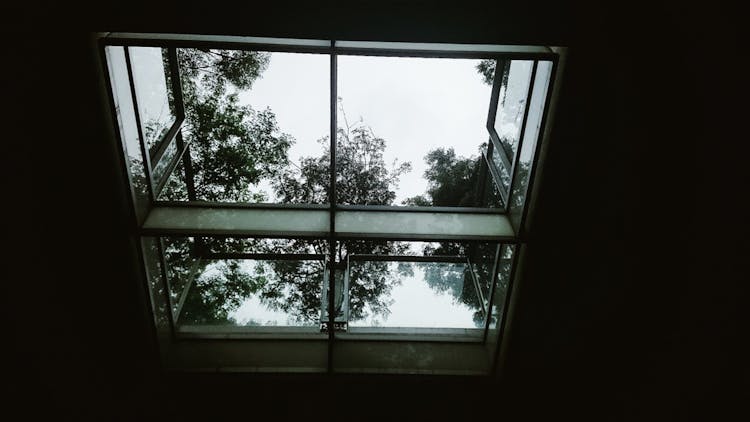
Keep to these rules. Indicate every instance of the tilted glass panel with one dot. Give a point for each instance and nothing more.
(153, 93)
(424, 295)
(531, 137)
(128, 128)
(158, 169)
(156, 286)
(502, 282)
(408, 130)
(501, 170)
(512, 104)
(418, 284)
(501, 286)
(242, 282)
(258, 125)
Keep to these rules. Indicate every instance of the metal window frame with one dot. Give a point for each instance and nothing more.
(335, 48)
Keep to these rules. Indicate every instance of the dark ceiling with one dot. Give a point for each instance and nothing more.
(627, 312)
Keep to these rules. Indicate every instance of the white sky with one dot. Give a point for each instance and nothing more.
(415, 304)
(415, 104)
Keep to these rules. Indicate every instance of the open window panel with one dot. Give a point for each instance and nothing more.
(224, 287)
(147, 93)
(257, 123)
(416, 291)
(517, 111)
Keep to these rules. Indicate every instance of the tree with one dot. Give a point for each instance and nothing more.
(362, 178)
(486, 69)
(448, 178)
(232, 148)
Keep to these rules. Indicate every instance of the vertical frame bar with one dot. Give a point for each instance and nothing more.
(332, 197)
(491, 294)
(506, 304)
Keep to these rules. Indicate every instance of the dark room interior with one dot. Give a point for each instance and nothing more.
(629, 307)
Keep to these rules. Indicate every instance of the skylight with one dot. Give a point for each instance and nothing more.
(352, 199)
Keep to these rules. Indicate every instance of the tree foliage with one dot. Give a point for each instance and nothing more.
(363, 178)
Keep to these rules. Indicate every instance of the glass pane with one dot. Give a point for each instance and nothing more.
(418, 284)
(213, 283)
(531, 136)
(442, 47)
(427, 224)
(258, 124)
(176, 188)
(155, 279)
(502, 170)
(240, 221)
(159, 168)
(123, 101)
(511, 105)
(408, 130)
(502, 280)
(424, 295)
(150, 75)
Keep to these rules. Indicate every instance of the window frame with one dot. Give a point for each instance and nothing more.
(516, 237)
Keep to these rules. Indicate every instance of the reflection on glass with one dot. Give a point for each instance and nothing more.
(159, 168)
(155, 280)
(176, 188)
(150, 76)
(257, 124)
(503, 171)
(254, 292)
(223, 281)
(406, 130)
(123, 101)
(434, 289)
(501, 288)
(512, 103)
(426, 294)
(531, 137)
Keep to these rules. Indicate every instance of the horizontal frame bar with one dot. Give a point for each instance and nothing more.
(263, 256)
(412, 334)
(245, 222)
(239, 205)
(261, 332)
(219, 42)
(356, 48)
(408, 258)
(396, 208)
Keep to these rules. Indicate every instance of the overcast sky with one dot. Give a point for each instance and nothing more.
(414, 304)
(415, 104)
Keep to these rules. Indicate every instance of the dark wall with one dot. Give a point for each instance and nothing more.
(629, 309)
